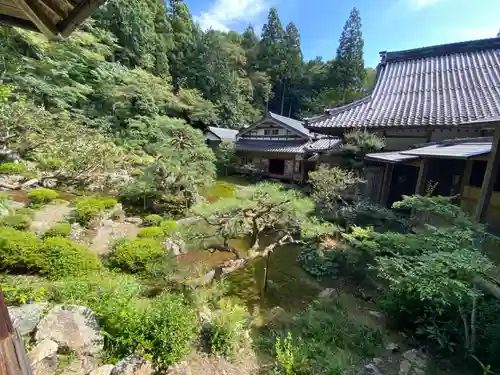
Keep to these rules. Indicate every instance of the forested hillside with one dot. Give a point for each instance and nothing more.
(143, 58)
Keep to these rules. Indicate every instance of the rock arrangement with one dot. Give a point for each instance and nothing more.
(62, 330)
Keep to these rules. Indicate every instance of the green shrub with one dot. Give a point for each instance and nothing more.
(19, 251)
(21, 222)
(42, 196)
(150, 232)
(327, 339)
(134, 255)
(11, 168)
(88, 208)
(163, 328)
(225, 333)
(20, 290)
(319, 261)
(285, 355)
(63, 257)
(168, 226)
(153, 220)
(58, 230)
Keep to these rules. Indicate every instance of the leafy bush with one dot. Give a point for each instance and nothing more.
(153, 220)
(88, 208)
(150, 232)
(21, 222)
(58, 230)
(20, 290)
(329, 341)
(11, 168)
(319, 261)
(19, 251)
(63, 257)
(285, 356)
(168, 226)
(42, 196)
(226, 330)
(134, 255)
(163, 328)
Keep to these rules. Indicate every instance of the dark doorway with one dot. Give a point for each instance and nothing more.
(446, 174)
(276, 166)
(404, 181)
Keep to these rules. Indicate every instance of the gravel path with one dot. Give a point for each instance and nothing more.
(108, 232)
(48, 215)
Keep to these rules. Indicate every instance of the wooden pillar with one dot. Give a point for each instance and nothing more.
(466, 176)
(386, 183)
(489, 178)
(422, 177)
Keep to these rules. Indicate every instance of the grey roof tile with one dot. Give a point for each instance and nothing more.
(224, 134)
(444, 85)
(324, 144)
(271, 146)
(292, 123)
(451, 151)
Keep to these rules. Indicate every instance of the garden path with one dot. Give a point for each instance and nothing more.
(108, 232)
(48, 215)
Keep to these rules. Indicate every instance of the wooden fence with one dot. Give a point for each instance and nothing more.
(13, 360)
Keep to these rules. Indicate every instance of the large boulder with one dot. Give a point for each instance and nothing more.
(174, 246)
(73, 328)
(26, 317)
(43, 358)
(414, 363)
(133, 365)
(103, 370)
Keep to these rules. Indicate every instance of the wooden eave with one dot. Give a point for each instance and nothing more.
(54, 18)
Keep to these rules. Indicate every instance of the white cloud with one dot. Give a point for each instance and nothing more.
(423, 3)
(224, 13)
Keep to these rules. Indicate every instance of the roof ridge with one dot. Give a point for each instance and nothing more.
(440, 49)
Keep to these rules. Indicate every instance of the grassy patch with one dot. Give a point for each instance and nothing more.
(219, 190)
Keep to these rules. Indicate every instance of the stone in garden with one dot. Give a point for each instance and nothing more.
(73, 328)
(79, 365)
(176, 247)
(414, 363)
(49, 183)
(327, 293)
(30, 183)
(76, 231)
(103, 370)
(133, 220)
(392, 346)
(25, 318)
(133, 365)
(43, 358)
(376, 314)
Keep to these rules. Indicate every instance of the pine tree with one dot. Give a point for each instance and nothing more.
(350, 61)
(293, 64)
(271, 53)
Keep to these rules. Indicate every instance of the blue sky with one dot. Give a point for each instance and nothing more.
(387, 24)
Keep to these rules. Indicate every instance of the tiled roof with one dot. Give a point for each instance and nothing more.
(271, 146)
(323, 144)
(224, 134)
(295, 147)
(295, 124)
(445, 85)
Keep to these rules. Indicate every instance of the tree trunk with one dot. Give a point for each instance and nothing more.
(255, 235)
(266, 271)
(283, 90)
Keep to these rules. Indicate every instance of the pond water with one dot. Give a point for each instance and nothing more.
(21, 196)
(289, 287)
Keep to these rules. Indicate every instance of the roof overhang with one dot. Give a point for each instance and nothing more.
(54, 18)
(394, 157)
(453, 151)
